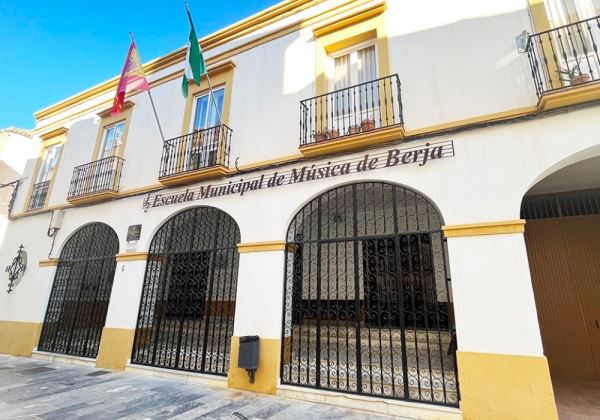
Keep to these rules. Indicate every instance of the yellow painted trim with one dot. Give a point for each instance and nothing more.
(115, 348)
(19, 338)
(486, 228)
(345, 31)
(39, 211)
(571, 95)
(357, 141)
(106, 120)
(267, 374)
(481, 119)
(93, 198)
(221, 76)
(48, 135)
(50, 139)
(52, 262)
(270, 162)
(177, 56)
(106, 113)
(217, 171)
(539, 18)
(261, 246)
(227, 34)
(349, 20)
(140, 190)
(503, 386)
(132, 256)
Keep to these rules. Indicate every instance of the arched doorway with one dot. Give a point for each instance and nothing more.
(187, 307)
(80, 293)
(368, 303)
(562, 236)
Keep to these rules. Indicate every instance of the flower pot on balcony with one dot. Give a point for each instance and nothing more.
(581, 79)
(367, 124)
(334, 134)
(321, 136)
(354, 129)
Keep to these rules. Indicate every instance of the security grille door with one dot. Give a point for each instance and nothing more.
(368, 304)
(80, 293)
(187, 307)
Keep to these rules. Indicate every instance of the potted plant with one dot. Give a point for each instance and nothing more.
(354, 129)
(320, 135)
(333, 133)
(367, 124)
(574, 75)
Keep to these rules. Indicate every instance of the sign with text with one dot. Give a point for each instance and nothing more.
(419, 155)
(133, 237)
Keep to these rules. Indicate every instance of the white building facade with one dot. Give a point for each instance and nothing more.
(391, 199)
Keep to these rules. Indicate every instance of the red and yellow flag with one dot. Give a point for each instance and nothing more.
(132, 78)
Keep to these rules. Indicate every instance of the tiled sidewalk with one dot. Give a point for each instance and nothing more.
(33, 389)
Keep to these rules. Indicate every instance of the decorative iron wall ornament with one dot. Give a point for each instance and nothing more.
(187, 308)
(80, 293)
(17, 268)
(367, 298)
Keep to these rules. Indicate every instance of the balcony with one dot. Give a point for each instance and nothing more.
(565, 63)
(357, 116)
(197, 156)
(95, 181)
(38, 195)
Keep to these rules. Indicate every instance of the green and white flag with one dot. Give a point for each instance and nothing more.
(194, 61)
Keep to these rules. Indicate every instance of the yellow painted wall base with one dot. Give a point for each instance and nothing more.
(115, 348)
(501, 386)
(19, 338)
(267, 374)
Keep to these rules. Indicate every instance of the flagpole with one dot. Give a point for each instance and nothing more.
(207, 76)
(156, 116)
(152, 103)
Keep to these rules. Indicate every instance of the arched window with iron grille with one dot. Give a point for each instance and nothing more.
(80, 293)
(367, 300)
(187, 308)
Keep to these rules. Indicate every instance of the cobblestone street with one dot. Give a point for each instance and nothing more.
(31, 389)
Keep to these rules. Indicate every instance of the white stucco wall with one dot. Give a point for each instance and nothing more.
(485, 181)
(455, 61)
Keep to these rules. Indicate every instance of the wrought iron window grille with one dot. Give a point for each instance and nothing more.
(367, 299)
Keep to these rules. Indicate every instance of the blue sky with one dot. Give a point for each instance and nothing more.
(52, 49)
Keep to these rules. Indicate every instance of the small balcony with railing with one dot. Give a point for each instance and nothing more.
(565, 63)
(39, 193)
(197, 156)
(95, 181)
(353, 117)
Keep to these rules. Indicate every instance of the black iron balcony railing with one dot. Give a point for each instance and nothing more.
(94, 177)
(353, 110)
(565, 56)
(38, 195)
(198, 150)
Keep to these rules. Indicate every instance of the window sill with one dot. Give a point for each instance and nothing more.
(216, 171)
(93, 197)
(571, 95)
(353, 142)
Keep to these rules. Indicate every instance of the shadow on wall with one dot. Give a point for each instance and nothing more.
(474, 61)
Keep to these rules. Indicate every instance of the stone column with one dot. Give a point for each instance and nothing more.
(116, 342)
(258, 311)
(502, 370)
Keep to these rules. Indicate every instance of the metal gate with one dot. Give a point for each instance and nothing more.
(80, 293)
(187, 308)
(367, 303)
